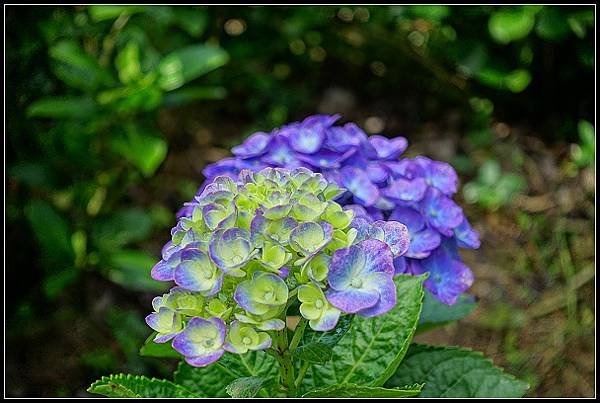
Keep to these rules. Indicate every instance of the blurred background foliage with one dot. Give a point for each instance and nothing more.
(113, 111)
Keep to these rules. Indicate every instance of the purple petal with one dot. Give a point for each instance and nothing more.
(466, 236)
(387, 296)
(388, 149)
(254, 145)
(377, 172)
(442, 213)
(406, 168)
(357, 182)
(422, 243)
(395, 236)
(341, 139)
(440, 175)
(203, 361)
(280, 153)
(325, 158)
(164, 338)
(359, 211)
(378, 256)
(305, 139)
(448, 277)
(188, 345)
(237, 239)
(406, 190)
(321, 120)
(400, 266)
(162, 271)
(227, 166)
(362, 226)
(352, 300)
(410, 217)
(327, 321)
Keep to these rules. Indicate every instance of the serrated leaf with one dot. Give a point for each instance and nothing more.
(436, 313)
(245, 387)
(318, 346)
(373, 348)
(189, 63)
(455, 372)
(159, 350)
(122, 385)
(213, 379)
(352, 390)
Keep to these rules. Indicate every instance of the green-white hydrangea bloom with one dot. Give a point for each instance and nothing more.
(238, 256)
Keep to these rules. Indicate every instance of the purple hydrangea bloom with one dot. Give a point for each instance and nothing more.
(379, 183)
(201, 342)
(360, 279)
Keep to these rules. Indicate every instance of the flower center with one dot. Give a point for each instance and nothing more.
(269, 295)
(207, 274)
(208, 343)
(236, 259)
(356, 283)
(318, 304)
(246, 340)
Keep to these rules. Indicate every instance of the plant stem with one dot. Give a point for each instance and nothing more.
(298, 334)
(286, 365)
(301, 373)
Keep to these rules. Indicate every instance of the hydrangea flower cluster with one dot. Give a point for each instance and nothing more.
(415, 191)
(249, 246)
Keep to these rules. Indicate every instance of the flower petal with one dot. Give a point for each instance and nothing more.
(406, 190)
(352, 300)
(395, 236)
(203, 361)
(388, 149)
(253, 146)
(387, 295)
(357, 182)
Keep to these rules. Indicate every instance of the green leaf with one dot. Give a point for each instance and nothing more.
(245, 387)
(108, 12)
(192, 20)
(190, 94)
(160, 350)
(373, 348)
(318, 346)
(128, 63)
(507, 25)
(137, 386)
(52, 234)
(212, 380)
(352, 390)
(455, 372)
(62, 108)
(131, 270)
(552, 24)
(189, 63)
(56, 282)
(78, 69)
(436, 313)
(517, 80)
(144, 148)
(122, 227)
